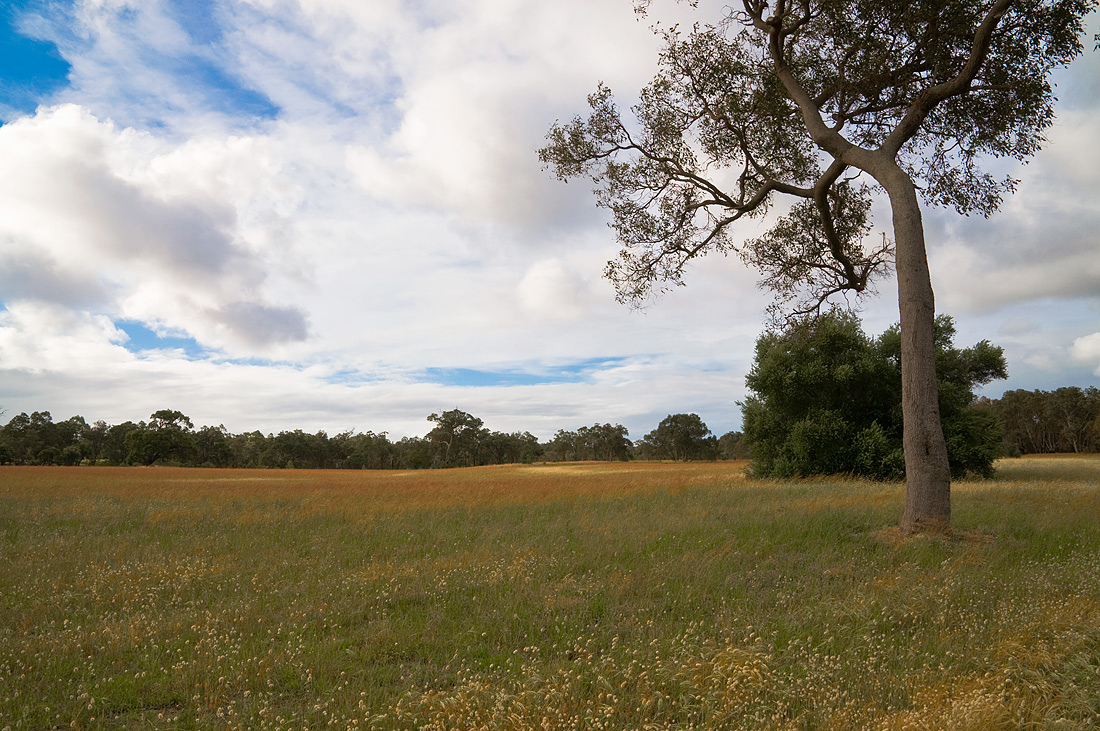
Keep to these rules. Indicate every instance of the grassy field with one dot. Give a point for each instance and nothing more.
(588, 596)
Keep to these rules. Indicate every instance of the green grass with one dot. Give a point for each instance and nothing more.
(588, 596)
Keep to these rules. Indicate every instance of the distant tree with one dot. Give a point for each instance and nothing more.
(563, 447)
(601, 442)
(212, 447)
(167, 438)
(826, 399)
(324, 456)
(71, 438)
(680, 437)
(11, 437)
(35, 439)
(247, 449)
(604, 442)
(116, 442)
(807, 100)
(299, 449)
(371, 451)
(731, 445)
(1076, 411)
(413, 453)
(170, 419)
(527, 446)
(501, 448)
(456, 438)
(96, 438)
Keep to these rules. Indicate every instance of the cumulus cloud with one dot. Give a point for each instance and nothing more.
(1045, 242)
(1086, 350)
(35, 275)
(37, 338)
(479, 89)
(163, 65)
(106, 218)
(259, 324)
(550, 290)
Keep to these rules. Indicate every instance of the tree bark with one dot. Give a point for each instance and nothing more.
(927, 472)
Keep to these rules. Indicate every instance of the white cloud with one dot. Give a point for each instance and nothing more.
(1086, 350)
(1045, 242)
(40, 338)
(118, 220)
(550, 291)
(478, 89)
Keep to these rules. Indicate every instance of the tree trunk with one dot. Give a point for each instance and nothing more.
(927, 473)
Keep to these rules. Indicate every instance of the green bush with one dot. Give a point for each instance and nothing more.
(826, 399)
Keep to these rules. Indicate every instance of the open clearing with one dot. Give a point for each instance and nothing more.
(597, 596)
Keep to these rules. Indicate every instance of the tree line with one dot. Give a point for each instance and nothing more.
(1020, 422)
(456, 439)
(824, 398)
(1043, 422)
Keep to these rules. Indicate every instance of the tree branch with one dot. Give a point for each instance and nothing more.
(925, 102)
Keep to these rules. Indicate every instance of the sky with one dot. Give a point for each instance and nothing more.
(330, 214)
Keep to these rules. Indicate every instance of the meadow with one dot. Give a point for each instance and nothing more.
(572, 596)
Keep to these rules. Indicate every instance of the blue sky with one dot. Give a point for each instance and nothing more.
(277, 214)
(33, 69)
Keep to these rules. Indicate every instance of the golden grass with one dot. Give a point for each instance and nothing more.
(595, 596)
(381, 490)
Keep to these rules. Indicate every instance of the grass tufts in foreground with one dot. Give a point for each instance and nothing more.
(598, 596)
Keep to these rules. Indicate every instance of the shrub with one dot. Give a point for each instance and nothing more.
(826, 399)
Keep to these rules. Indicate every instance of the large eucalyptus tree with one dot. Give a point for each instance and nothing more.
(817, 101)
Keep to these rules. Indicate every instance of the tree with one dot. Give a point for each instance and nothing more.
(731, 445)
(680, 437)
(170, 419)
(96, 438)
(563, 447)
(36, 439)
(212, 447)
(248, 449)
(370, 451)
(413, 453)
(168, 437)
(501, 448)
(1075, 411)
(606, 442)
(297, 449)
(72, 440)
(116, 443)
(457, 437)
(810, 99)
(826, 399)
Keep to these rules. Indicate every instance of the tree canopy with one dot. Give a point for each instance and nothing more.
(798, 99)
(682, 437)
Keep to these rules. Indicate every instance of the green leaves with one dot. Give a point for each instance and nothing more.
(679, 437)
(827, 399)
